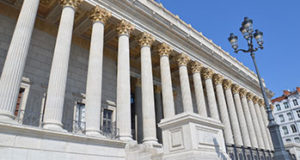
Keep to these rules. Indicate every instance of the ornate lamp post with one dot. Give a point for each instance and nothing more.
(247, 31)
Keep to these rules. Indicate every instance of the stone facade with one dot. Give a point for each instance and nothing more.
(99, 79)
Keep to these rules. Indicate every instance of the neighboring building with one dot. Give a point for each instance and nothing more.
(121, 79)
(287, 114)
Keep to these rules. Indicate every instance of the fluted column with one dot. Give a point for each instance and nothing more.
(255, 120)
(266, 122)
(123, 81)
(200, 100)
(59, 68)
(164, 51)
(211, 98)
(183, 60)
(241, 116)
(15, 60)
(94, 77)
(149, 126)
(262, 126)
(249, 121)
(232, 114)
(218, 79)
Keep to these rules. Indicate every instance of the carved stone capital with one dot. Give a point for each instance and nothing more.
(207, 73)
(218, 79)
(164, 49)
(70, 3)
(235, 88)
(249, 96)
(146, 39)
(157, 89)
(196, 67)
(227, 84)
(99, 14)
(261, 102)
(183, 59)
(255, 99)
(124, 27)
(243, 92)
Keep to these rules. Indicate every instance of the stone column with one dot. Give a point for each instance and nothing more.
(94, 77)
(138, 110)
(211, 98)
(266, 122)
(166, 82)
(249, 121)
(201, 106)
(232, 114)
(149, 126)
(59, 68)
(183, 60)
(255, 121)
(15, 60)
(218, 79)
(158, 111)
(241, 116)
(261, 124)
(123, 82)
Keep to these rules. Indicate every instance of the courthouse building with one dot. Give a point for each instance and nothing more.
(121, 79)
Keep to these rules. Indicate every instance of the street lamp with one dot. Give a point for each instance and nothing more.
(247, 30)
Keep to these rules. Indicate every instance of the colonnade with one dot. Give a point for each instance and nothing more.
(241, 112)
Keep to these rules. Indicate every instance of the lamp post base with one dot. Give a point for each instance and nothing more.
(279, 150)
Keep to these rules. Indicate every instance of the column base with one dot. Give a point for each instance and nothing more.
(126, 138)
(7, 118)
(152, 142)
(54, 127)
(94, 133)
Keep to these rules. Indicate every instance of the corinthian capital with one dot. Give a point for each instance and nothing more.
(243, 92)
(218, 79)
(196, 67)
(261, 102)
(164, 49)
(124, 27)
(235, 88)
(182, 59)
(255, 99)
(99, 14)
(146, 39)
(207, 73)
(227, 84)
(71, 3)
(249, 96)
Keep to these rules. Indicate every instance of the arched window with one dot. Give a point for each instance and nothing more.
(294, 129)
(285, 130)
(288, 140)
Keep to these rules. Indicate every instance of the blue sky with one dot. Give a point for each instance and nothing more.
(279, 61)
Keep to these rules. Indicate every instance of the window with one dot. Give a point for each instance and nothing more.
(298, 113)
(285, 130)
(286, 105)
(294, 129)
(297, 139)
(288, 140)
(107, 121)
(278, 107)
(79, 118)
(289, 115)
(19, 101)
(295, 102)
(281, 118)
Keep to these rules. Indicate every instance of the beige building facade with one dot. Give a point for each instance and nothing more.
(121, 79)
